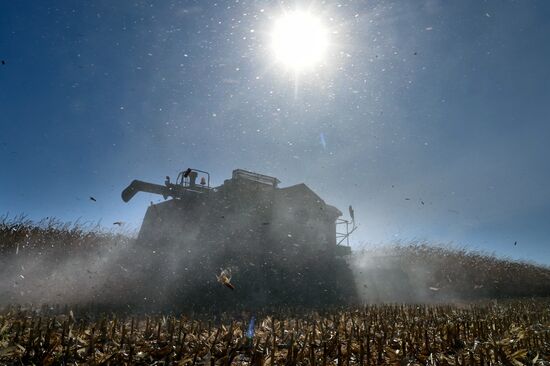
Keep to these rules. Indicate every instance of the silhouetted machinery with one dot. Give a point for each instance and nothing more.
(281, 244)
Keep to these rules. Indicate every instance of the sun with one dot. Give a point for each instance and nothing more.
(299, 41)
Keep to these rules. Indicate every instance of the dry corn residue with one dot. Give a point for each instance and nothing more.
(505, 333)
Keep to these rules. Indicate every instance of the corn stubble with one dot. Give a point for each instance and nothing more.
(507, 333)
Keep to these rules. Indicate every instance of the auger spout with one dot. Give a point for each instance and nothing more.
(140, 186)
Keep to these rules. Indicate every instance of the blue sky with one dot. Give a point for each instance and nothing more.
(441, 102)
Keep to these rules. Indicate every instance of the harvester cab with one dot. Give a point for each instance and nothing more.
(188, 178)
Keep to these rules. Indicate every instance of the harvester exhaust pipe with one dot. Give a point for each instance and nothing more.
(140, 186)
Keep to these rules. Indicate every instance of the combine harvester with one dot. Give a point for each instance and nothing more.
(282, 246)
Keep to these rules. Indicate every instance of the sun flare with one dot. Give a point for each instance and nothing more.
(299, 41)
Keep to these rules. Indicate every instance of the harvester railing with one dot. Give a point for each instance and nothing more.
(343, 235)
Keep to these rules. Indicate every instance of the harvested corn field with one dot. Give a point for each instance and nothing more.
(506, 333)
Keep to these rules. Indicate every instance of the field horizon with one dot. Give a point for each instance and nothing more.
(46, 261)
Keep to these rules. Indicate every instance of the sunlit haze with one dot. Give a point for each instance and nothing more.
(429, 117)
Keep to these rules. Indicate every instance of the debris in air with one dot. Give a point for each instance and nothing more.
(119, 223)
(407, 199)
(351, 213)
(93, 199)
(3, 62)
(225, 278)
(516, 243)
